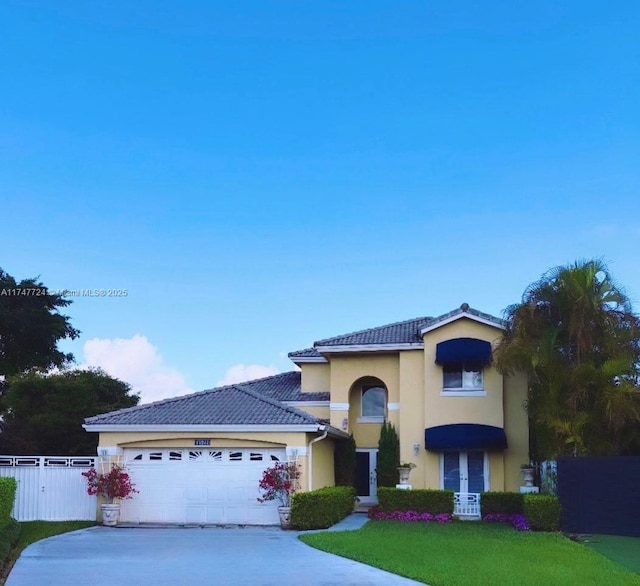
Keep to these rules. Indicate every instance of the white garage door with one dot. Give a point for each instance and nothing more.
(201, 485)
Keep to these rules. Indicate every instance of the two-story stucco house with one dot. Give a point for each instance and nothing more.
(198, 458)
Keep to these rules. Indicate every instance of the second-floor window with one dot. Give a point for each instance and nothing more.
(463, 376)
(373, 401)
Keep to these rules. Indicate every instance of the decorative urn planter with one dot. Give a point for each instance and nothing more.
(110, 514)
(404, 472)
(528, 475)
(285, 517)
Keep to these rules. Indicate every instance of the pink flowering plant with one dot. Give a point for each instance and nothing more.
(279, 482)
(115, 484)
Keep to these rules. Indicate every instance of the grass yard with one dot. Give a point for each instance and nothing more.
(33, 531)
(622, 550)
(467, 554)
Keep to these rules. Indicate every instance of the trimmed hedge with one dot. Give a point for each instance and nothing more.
(8, 487)
(543, 512)
(421, 501)
(322, 508)
(9, 536)
(508, 503)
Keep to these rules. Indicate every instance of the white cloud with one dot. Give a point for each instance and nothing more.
(137, 362)
(241, 373)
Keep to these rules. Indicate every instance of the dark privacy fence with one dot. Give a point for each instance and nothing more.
(600, 495)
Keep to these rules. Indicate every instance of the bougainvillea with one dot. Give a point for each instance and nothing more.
(115, 484)
(519, 522)
(279, 482)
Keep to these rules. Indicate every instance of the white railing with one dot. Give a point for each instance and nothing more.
(50, 488)
(466, 504)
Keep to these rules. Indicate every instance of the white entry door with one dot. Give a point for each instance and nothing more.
(199, 485)
(464, 471)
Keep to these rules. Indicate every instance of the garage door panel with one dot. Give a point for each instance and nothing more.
(199, 486)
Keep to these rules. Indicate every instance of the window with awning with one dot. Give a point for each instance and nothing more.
(464, 436)
(464, 351)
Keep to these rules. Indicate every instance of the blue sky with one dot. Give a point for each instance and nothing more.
(259, 175)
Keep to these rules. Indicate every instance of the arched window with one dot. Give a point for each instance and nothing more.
(374, 399)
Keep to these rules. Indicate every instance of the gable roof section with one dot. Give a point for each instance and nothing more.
(396, 336)
(229, 406)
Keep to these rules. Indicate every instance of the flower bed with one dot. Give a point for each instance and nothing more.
(408, 516)
(518, 521)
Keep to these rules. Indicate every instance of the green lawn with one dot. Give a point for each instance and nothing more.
(622, 550)
(467, 554)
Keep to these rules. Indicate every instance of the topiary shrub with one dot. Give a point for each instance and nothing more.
(8, 487)
(388, 456)
(421, 501)
(543, 512)
(508, 503)
(344, 462)
(322, 508)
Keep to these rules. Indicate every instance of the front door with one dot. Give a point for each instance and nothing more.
(366, 475)
(464, 471)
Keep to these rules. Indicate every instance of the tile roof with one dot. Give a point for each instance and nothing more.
(403, 332)
(283, 387)
(229, 405)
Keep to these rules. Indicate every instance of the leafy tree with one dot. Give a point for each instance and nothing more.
(344, 459)
(388, 456)
(576, 337)
(44, 414)
(31, 326)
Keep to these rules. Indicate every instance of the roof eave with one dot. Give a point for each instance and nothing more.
(458, 316)
(202, 428)
(370, 347)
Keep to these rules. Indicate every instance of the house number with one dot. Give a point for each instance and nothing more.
(202, 442)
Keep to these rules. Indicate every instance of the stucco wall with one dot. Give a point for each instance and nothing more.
(315, 377)
(320, 412)
(516, 428)
(446, 409)
(322, 462)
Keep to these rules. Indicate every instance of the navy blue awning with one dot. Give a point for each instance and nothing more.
(463, 350)
(465, 436)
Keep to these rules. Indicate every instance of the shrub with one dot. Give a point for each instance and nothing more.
(543, 512)
(8, 487)
(322, 508)
(421, 501)
(9, 535)
(388, 456)
(509, 503)
(344, 461)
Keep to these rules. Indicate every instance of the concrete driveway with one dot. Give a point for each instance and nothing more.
(102, 556)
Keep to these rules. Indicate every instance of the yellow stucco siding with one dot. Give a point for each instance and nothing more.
(443, 409)
(315, 377)
(185, 439)
(322, 463)
(516, 427)
(347, 369)
(410, 424)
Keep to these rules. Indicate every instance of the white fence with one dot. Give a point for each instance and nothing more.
(466, 504)
(50, 488)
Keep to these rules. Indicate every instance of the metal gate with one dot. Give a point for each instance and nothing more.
(50, 488)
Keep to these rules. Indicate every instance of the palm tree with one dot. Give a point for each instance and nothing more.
(576, 337)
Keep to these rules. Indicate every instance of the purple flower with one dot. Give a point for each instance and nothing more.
(519, 522)
(410, 516)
